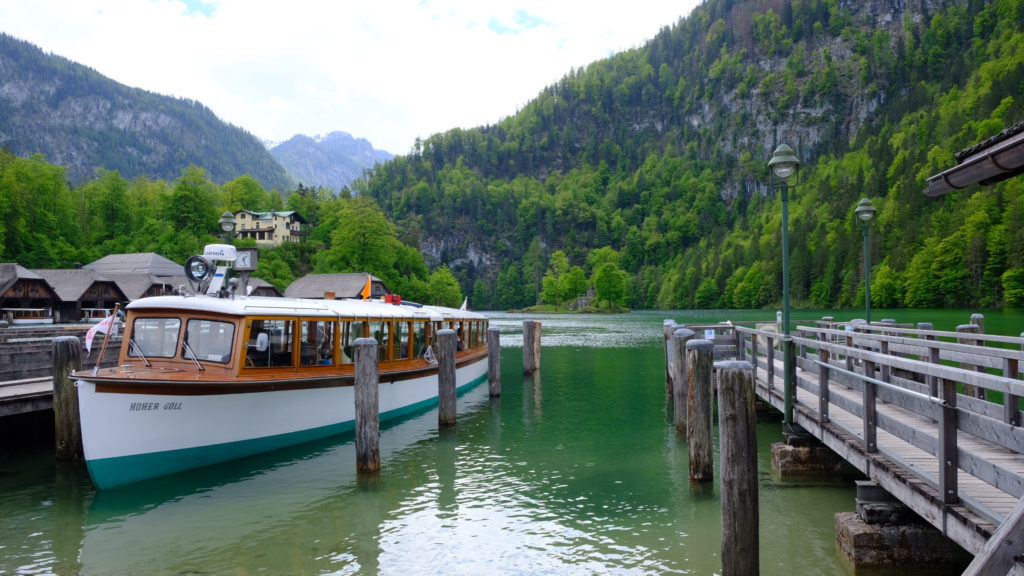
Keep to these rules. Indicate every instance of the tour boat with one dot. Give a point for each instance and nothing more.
(204, 379)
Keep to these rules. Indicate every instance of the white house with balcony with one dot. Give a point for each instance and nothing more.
(270, 228)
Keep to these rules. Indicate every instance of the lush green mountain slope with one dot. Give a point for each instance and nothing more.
(660, 154)
(80, 119)
(331, 161)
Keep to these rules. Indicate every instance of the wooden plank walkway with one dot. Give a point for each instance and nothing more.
(984, 441)
(26, 395)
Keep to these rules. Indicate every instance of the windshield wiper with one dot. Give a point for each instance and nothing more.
(133, 345)
(192, 353)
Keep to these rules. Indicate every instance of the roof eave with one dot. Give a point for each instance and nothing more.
(996, 163)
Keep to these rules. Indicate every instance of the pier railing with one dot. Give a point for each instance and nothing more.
(933, 416)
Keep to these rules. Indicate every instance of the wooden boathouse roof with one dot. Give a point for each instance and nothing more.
(138, 263)
(11, 274)
(73, 285)
(346, 285)
(990, 161)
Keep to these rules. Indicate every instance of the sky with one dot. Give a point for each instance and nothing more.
(385, 70)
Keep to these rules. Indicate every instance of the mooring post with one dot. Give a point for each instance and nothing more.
(700, 361)
(680, 378)
(968, 389)
(737, 430)
(494, 361)
(979, 321)
(367, 406)
(446, 377)
(668, 328)
(67, 357)
(931, 381)
(531, 346)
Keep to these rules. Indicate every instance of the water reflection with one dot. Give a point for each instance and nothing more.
(576, 470)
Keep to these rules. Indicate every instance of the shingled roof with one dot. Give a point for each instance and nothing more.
(11, 273)
(135, 286)
(348, 285)
(138, 263)
(70, 285)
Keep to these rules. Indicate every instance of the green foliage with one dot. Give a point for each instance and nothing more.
(443, 289)
(659, 155)
(610, 284)
(648, 171)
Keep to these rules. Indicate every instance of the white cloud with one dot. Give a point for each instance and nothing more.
(386, 71)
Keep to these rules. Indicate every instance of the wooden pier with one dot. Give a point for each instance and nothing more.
(26, 365)
(933, 417)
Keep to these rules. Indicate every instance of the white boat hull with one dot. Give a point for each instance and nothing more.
(129, 437)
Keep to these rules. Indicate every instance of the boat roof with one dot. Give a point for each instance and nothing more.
(267, 306)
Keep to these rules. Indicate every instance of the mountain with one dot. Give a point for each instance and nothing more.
(328, 162)
(657, 158)
(82, 120)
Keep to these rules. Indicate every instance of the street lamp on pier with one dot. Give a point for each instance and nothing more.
(866, 211)
(227, 223)
(784, 164)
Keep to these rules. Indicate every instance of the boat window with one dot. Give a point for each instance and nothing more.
(420, 340)
(350, 332)
(400, 340)
(317, 343)
(209, 340)
(277, 352)
(154, 337)
(381, 332)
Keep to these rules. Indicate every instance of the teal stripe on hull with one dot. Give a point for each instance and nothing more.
(113, 472)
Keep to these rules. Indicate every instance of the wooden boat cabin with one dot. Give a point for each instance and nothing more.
(259, 338)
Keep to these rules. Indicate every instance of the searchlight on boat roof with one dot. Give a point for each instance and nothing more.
(203, 271)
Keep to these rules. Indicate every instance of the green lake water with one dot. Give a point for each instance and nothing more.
(576, 471)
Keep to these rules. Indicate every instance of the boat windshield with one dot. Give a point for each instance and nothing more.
(208, 340)
(154, 337)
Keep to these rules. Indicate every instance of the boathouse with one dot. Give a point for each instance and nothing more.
(347, 285)
(23, 294)
(260, 287)
(81, 295)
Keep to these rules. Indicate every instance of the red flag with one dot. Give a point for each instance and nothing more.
(104, 326)
(368, 289)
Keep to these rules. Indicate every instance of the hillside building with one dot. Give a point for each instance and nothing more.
(270, 228)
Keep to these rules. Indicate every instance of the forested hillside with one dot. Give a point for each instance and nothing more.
(644, 175)
(80, 119)
(658, 157)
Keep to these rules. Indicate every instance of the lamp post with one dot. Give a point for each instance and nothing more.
(227, 223)
(784, 164)
(866, 211)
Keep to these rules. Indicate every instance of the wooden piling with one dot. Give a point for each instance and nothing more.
(699, 362)
(979, 321)
(531, 346)
(367, 406)
(970, 390)
(494, 362)
(446, 378)
(67, 357)
(737, 429)
(668, 328)
(679, 378)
